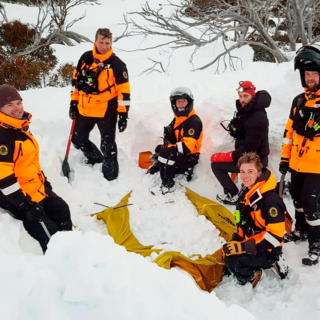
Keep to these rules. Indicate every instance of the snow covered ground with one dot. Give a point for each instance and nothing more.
(84, 275)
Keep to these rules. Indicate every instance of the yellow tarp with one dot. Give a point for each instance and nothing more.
(207, 271)
(220, 216)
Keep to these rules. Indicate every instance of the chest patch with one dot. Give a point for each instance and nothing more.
(191, 132)
(273, 212)
(3, 150)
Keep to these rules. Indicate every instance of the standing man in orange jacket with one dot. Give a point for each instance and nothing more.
(301, 152)
(101, 93)
(24, 189)
(258, 243)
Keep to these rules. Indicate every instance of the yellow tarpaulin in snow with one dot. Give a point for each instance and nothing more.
(207, 271)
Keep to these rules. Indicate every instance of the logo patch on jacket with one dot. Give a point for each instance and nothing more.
(125, 75)
(191, 132)
(273, 212)
(3, 150)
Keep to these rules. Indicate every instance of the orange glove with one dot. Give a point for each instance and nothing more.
(235, 247)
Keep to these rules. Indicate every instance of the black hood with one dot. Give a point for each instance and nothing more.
(260, 101)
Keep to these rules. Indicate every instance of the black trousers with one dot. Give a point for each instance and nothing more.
(221, 171)
(171, 162)
(56, 218)
(243, 266)
(305, 191)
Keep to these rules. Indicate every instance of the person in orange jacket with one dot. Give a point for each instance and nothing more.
(24, 190)
(260, 218)
(101, 93)
(301, 150)
(182, 141)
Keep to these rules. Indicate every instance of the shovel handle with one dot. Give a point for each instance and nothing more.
(70, 138)
(281, 184)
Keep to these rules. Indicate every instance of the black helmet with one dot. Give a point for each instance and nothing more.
(181, 93)
(307, 59)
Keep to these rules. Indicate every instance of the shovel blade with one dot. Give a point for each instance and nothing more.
(66, 168)
(144, 160)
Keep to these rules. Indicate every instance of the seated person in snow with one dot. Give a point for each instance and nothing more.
(182, 141)
(260, 218)
(249, 128)
(24, 189)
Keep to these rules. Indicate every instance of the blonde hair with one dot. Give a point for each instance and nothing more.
(250, 157)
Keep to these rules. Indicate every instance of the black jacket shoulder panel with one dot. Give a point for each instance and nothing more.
(192, 127)
(87, 57)
(7, 144)
(119, 70)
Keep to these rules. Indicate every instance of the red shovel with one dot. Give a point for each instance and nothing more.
(65, 164)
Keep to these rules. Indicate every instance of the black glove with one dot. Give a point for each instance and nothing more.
(32, 210)
(122, 122)
(284, 167)
(73, 111)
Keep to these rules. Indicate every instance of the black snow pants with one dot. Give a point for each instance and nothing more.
(56, 218)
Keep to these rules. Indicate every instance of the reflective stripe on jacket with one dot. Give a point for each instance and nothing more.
(263, 214)
(188, 132)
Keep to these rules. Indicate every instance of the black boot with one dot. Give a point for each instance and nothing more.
(92, 153)
(313, 255)
(110, 166)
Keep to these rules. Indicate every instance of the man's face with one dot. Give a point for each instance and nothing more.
(244, 98)
(312, 79)
(249, 174)
(103, 44)
(181, 104)
(13, 109)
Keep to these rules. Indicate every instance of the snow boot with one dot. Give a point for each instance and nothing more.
(257, 277)
(280, 268)
(110, 166)
(295, 235)
(92, 153)
(167, 186)
(227, 198)
(313, 255)
(189, 174)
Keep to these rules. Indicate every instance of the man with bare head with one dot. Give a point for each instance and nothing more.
(101, 94)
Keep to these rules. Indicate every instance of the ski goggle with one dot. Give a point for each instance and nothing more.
(242, 89)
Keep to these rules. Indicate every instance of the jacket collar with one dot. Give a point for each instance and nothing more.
(264, 183)
(13, 123)
(101, 57)
(179, 120)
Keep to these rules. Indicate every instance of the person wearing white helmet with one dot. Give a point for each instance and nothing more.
(180, 150)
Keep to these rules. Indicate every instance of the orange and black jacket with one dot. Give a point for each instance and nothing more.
(301, 138)
(98, 81)
(262, 215)
(20, 171)
(186, 134)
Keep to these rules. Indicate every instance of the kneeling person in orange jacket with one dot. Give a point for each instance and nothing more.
(258, 243)
(24, 189)
(182, 141)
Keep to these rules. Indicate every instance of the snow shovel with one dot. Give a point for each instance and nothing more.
(287, 218)
(144, 160)
(65, 164)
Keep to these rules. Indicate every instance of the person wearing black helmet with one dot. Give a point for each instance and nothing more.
(180, 150)
(301, 150)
